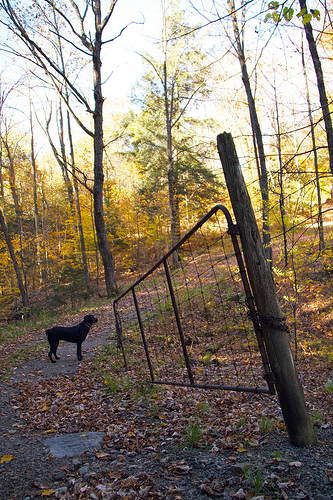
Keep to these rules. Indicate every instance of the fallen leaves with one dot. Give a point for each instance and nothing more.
(39, 486)
(45, 407)
(141, 486)
(141, 420)
(285, 485)
(101, 455)
(214, 489)
(6, 458)
(295, 464)
(179, 468)
(329, 476)
(47, 493)
(138, 416)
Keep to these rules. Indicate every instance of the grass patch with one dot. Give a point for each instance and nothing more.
(11, 332)
(193, 434)
(265, 426)
(257, 479)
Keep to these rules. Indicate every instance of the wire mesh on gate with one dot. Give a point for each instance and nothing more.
(190, 322)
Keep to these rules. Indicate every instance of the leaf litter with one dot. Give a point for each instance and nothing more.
(160, 441)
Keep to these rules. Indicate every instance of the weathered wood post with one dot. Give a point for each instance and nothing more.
(270, 316)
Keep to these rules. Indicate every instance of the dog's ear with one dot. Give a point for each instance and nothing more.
(90, 319)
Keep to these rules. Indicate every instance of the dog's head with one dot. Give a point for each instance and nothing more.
(90, 319)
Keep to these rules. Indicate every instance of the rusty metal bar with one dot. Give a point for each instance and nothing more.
(180, 242)
(179, 325)
(238, 388)
(143, 335)
(119, 332)
(233, 232)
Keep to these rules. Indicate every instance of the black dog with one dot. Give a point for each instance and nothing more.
(76, 334)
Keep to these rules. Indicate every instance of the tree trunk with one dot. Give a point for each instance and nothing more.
(172, 186)
(35, 197)
(280, 177)
(320, 84)
(257, 136)
(315, 158)
(64, 168)
(17, 204)
(269, 314)
(103, 244)
(78, 207)
(24, 296)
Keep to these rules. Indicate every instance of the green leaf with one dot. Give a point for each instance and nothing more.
(306, 18)
(315, 13)
(276, 16)
(273, 5)
(301, 13)
(288, 13)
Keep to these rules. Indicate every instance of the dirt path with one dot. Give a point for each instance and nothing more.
(68, 363)
(30, 464)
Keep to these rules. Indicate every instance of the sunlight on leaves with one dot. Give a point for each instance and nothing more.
(47, 493)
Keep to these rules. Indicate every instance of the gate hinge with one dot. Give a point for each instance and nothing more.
(270, 378)
(233, 229)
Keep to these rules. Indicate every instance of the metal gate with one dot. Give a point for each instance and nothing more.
(195, 323)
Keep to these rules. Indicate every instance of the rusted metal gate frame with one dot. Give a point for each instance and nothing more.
(233, 232)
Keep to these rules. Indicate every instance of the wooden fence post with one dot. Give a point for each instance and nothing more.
(270, 316)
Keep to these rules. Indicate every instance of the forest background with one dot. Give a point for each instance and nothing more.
(109, 117)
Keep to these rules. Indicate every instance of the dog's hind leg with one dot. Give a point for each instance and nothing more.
(53, 350)
(78, 351)
(50, 356)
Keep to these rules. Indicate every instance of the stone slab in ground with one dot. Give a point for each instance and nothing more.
(70, 445)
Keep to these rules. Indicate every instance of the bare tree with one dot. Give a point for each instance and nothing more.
(315, 158)
(3, 223)
(276, 123)
(82, 28)
(13, 152)
(239, 46)
(320, 81)
(67, 166)
(24, 295)
(78, 206)
(35, 195)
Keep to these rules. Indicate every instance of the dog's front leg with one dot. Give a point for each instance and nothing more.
(50, 356)
(78, 351)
